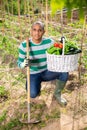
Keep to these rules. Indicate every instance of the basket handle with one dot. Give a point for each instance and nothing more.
(63, 41)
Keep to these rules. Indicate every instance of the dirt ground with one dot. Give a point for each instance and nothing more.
(44, 107)
(13, 104)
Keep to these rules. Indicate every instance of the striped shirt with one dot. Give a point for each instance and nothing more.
(37, 55)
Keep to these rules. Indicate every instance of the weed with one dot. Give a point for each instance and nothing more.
(20, 77)
(54, 114)
(42, 124)
(3, 91)
(1, 75)
(3, 116)
(12, 124)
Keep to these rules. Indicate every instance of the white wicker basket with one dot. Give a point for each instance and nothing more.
(62, 63)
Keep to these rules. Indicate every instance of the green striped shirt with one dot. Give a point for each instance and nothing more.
(37, 55)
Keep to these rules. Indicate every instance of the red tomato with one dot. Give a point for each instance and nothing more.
(56, 44)
(60, 45)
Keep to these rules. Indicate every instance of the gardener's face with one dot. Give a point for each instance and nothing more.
(37, 33)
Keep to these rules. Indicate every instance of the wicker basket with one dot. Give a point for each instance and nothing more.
(62, 63)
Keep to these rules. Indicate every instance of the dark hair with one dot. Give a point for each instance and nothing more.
(40, 23)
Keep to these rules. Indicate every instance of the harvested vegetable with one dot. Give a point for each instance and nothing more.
(70, 48)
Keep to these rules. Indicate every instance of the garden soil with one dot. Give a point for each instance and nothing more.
(44, 107)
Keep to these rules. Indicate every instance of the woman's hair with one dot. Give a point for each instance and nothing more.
(38, 22)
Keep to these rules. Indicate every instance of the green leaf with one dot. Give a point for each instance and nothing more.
(57, 5)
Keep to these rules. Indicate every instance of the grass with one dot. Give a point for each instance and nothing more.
(3, 116)
(55, 114)
(12, 124)
(3, 91)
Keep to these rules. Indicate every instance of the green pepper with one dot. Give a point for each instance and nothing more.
(56, 52)
(51, 50)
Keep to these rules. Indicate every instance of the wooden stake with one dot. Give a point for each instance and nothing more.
(12, 19)
(46, 17)
(19, 19)
(28, 80)
(62, 22)
(82, 40)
